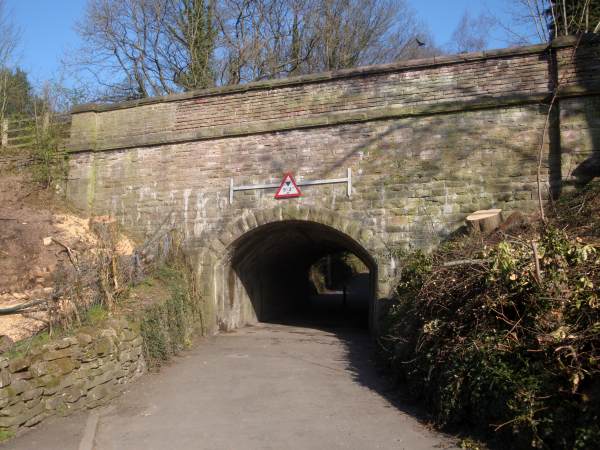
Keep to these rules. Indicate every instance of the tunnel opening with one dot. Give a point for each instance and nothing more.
(303, 273)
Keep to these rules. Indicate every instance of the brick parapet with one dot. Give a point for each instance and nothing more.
(447, 84)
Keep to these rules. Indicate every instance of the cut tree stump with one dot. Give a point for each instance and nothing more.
(484, 221)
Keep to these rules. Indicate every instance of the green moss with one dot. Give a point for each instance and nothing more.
(103, 346)
(52, 382)
(91, 187)
(168, 325)
(96, 314)
(25, 346)
(6, 434)
(62, 366)
(9, 392)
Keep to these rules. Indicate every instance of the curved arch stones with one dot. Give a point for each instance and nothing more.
(213, 264)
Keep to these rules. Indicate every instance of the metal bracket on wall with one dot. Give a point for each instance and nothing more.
(250, 187)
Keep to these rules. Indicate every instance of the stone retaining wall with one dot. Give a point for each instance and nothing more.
(73, 373)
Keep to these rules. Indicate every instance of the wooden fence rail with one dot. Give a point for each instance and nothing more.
(22, 133)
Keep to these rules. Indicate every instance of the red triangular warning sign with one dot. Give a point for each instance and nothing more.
(288, 187)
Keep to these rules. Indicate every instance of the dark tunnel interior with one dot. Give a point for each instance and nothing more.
(274, 261)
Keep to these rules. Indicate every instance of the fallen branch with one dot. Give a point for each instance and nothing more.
(497, 427)
(69, 252)
(28, 194)
(17, 308)
(536, 260)
(465, 262)
(114, 272)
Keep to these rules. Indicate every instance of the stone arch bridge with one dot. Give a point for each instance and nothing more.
(426, 141)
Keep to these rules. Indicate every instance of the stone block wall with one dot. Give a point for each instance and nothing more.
(414, 179)
(579, 154)
(69, 374)
(427, 142)
(440, 84)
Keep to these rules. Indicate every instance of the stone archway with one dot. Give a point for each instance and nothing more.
(236, 270)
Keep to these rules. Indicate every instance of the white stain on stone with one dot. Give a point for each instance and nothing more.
(199, 221)
(186, 203)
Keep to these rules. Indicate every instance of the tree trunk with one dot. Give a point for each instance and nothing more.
(484, 221)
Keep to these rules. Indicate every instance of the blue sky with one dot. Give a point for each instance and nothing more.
(48, 27)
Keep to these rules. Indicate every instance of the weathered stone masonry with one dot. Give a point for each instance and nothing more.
(428, 141)
(69, 374)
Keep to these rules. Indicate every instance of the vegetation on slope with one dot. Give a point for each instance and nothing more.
(175, 314)
(485, 339)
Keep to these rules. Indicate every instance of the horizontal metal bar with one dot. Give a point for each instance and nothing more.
(249, 187)
(330, 181)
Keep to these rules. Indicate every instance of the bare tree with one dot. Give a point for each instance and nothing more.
(362, 32)
(264, 38)
(125, 46)
(242, 25)
(472, 34)
(140, 48)
(9, 38)
(546, 19)
(275, 38)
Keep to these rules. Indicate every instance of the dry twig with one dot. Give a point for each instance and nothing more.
(16, 309)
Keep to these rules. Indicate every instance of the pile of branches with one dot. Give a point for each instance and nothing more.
(502, 332)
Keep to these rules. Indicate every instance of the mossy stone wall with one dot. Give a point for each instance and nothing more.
(69, 374)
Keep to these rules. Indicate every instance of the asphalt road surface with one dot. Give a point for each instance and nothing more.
(262, 387)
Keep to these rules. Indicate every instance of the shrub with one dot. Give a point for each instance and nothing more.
(495, 344)
(167, 326)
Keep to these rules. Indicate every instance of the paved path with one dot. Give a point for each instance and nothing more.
(264, 387)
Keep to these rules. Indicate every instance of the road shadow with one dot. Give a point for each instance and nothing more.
(348, 322)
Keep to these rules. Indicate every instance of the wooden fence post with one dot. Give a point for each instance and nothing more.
(46, 121)
(4, 132)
